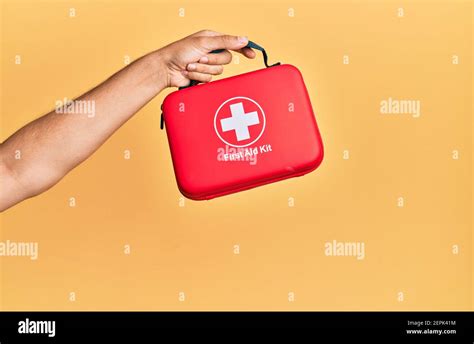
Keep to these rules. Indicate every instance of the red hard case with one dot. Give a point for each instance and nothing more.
(241, 132)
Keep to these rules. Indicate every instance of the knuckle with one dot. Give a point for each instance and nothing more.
(224, 41)
(228, 39)
(227, 58)
(200, 40)
(206, 32)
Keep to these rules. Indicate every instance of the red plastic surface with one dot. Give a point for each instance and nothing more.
(266, 113)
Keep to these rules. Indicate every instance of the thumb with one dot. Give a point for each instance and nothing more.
(223, 42)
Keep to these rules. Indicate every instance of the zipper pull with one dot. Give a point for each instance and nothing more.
(162, 120)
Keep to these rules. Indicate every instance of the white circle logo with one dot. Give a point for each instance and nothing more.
(239, 121)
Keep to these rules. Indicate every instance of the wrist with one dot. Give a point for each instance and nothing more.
(157, 67)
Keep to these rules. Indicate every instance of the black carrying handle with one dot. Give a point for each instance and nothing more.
(254, 45)
(250, 44)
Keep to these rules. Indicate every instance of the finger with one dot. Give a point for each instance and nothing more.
(222, 42)
(201, 77)
(248, 52)
(204, 68)
(222, 58)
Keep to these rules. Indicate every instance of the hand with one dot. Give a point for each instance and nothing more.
(190, 58)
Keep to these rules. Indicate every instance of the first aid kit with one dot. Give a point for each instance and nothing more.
(241, 132)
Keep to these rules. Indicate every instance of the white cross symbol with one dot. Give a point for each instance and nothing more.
(240, 121)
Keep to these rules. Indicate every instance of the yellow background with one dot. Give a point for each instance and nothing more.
(190, 249)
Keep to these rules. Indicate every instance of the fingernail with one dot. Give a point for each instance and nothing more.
(184, 72)
(204, 59)
(243, 39)
(191, 66)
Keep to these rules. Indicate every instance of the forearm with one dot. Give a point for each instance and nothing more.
(38, 155)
